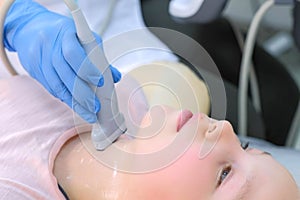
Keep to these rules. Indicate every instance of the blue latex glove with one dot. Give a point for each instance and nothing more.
(49, 50)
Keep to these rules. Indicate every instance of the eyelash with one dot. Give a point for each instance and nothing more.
(245, 145)
(227, 169)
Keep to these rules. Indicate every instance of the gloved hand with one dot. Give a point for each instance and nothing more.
(49, 50)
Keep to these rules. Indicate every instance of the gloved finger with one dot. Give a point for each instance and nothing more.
(81, 111)
(31, 65)
(40, 78)
(85, 96)
(116, 74)
(98, 39)
(64, 95)
(76, 57)
(77, 87)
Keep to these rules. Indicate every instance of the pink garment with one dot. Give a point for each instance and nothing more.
(31, 135)
(33, 128)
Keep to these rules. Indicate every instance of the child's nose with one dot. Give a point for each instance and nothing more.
(211, 129)
(215, 129)
(212, 136)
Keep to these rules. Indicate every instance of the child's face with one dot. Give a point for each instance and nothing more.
(215, 166)
(208, 164)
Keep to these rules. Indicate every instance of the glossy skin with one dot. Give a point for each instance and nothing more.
(227, 172)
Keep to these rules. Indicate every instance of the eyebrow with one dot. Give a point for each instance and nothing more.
(267, 153)
(245, 188)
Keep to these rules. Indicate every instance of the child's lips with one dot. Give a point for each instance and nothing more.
(183, 118)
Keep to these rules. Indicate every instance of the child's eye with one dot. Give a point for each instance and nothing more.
(245, 145)
(224, 173)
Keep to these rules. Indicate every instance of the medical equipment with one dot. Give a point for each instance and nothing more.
(111, 123)
(246, 71)
(205, 12)
(201, 11)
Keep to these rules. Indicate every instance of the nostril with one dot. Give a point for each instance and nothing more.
(211, 139)
(212, 127)
(213, 132)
